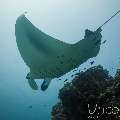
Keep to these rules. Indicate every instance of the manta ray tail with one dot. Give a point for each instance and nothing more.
(45, 84)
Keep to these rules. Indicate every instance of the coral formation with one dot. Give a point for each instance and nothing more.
(92, 94)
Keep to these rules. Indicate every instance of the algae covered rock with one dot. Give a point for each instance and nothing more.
(92, 94)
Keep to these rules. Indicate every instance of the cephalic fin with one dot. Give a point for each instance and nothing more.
(45, 84)
(32, 84)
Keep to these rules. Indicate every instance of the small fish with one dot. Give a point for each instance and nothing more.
(74, 70)
(77, 73)
(72, 75)
(65, 80)
(92, 62)
(104, 42)
(84, 68)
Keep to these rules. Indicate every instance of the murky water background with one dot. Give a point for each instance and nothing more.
(65, 20)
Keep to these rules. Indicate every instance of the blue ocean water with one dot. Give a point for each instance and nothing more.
(65, 20)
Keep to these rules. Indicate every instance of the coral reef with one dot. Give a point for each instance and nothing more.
(92, 94)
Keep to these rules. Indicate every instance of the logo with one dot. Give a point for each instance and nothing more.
(103, 112)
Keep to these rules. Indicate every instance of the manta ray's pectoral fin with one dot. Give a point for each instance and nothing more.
(32, 82)
(45, 84)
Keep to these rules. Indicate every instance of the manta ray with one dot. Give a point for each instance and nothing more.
(48, 57)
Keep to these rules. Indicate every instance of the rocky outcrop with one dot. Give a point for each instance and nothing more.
(92, 94)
